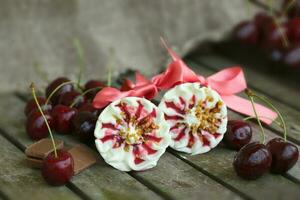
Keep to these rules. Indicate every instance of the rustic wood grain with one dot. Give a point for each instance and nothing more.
(275, 84)
(291, 115)
(98, 182)
(218, 164)
(170, 173)
(18, 181)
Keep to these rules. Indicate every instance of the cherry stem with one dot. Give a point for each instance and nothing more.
(277, 111)
(288, 7)
(250, 95)
(283, 35)
(276, 122)
(55, 90)
(42, 113)
(82, 94)
(81, 60)
(271, 7)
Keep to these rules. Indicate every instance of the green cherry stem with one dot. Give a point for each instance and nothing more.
(277, 111)
(42, 113)
(81, 60)
(288, 7)
(82, 94)
(55, 90)
(250, 95)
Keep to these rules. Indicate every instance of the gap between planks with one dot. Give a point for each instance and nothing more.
(155, 189)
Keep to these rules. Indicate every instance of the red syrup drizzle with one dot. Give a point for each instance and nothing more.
(187, 104)
(147, 138)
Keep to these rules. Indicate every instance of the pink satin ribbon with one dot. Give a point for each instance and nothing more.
(227, 83)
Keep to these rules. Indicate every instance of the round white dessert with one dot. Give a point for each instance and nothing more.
(132, 134)
(197, 117)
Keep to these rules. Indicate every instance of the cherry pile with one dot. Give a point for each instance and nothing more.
(278, 36)
(67, 110)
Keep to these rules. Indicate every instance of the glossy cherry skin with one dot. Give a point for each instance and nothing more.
(54, 84)
(238, 134)
(31, 105)
(292, 57)
(84, 125)
(273, 37)
(58, 170)
(93, 84)
(262, 19)
(88, 107)
(36, 127)
(294, 31)
(276, 54)
(62, 116)
(252, 161)
(284, 155)
(247, 33)
(69, 98)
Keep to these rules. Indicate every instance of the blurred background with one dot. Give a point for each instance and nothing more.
(36, 36)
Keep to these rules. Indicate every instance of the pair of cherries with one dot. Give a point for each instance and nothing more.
(279, 37)
(69, 111)
(255, 159)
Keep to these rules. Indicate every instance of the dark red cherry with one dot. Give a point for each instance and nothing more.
(69, 98)
(292, 57)
(58, 170)
(294, 31)
(284, 155)
(93, 84)
(88, 107)
(246, 32)
(238, 134)
(84, 126)
(127, 85)
(262, 19)
(54, 84)
(252, 161)
(62, 117)
(273, 36)
(36, 127)
(31, 106)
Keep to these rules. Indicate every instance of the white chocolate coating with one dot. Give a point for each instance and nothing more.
(197, 117)
(132, 134)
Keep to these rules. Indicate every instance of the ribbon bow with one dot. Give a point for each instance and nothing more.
(227, 83)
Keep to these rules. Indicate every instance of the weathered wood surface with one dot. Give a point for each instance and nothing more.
(98, 182)
(178, 175)
(19, 181)
(172, 178)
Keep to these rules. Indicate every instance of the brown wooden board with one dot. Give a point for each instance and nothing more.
(98, 182)
(218, 165)
(170, 173)
(291, 115)
(18, 181)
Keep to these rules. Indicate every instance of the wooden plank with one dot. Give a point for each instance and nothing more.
(218, 164)
(277, 85)
(18, 180)
(291, 115)
(98, 182)
(170, 173)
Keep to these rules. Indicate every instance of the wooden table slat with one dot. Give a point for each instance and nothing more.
(174, 178)
(98, 182)
(19, 181)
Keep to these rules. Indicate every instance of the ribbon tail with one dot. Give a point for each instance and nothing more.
(108, 95)
(244, 106)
